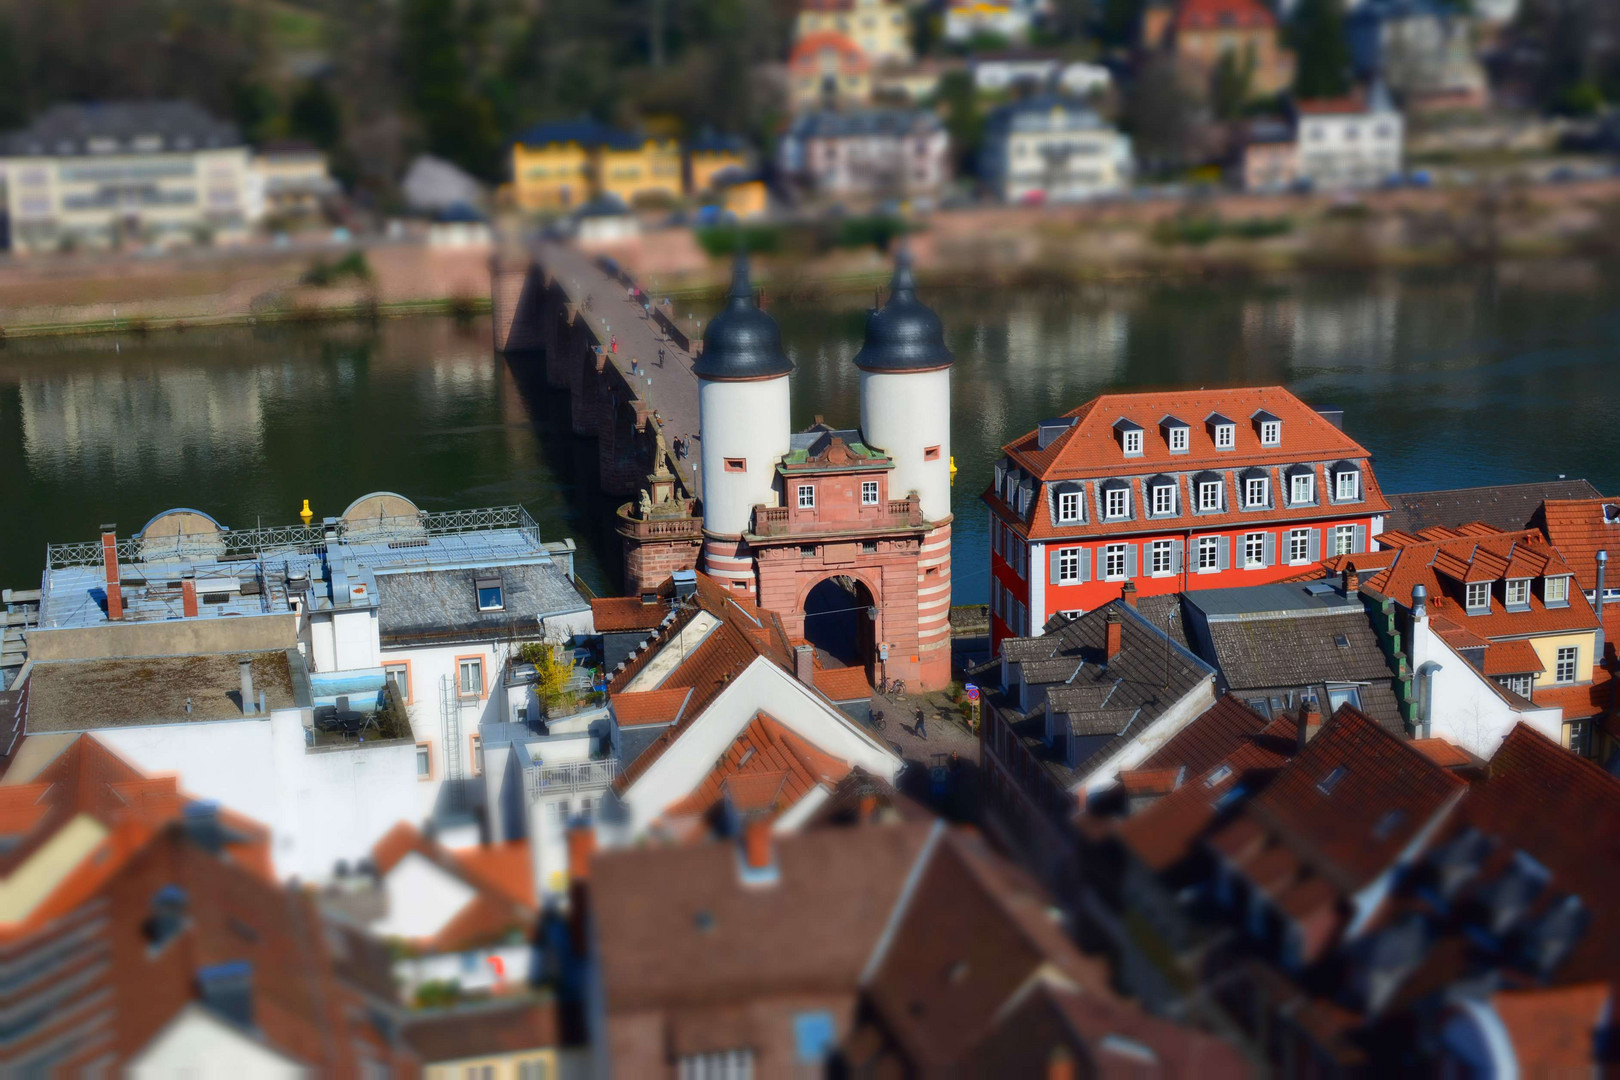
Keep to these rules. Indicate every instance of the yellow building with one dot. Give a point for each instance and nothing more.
(633, 168)
(562, 166)
(878, 28)
(709, 156)
(511, 1038)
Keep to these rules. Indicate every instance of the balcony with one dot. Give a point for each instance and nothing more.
(569, 777)
(893, 515)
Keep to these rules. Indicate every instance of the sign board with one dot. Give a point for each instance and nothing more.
(972, 692)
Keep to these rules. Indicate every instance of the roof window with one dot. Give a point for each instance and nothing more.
(1331, 780)
(1176, 434)
(1222, 431)
(1268, 427)
(491, 596)
(1047, 431)
(1130, 436)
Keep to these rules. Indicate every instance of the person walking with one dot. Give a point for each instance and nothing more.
(660, 356)
(633, 370)
(922, 732)
(613, 344)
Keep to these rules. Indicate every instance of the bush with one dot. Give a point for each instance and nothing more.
(719, 241)
(878, 231)
(322, 273)
(1203, 229)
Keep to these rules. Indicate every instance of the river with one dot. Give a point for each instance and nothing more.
(1450, 378)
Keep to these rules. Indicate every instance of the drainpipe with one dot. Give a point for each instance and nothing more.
(1602, 573)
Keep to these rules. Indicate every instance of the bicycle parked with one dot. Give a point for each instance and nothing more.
(878, 722)
(893, 688)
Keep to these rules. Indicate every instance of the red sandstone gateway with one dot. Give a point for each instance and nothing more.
(1171, 491)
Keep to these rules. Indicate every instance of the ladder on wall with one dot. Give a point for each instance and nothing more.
(450, 707)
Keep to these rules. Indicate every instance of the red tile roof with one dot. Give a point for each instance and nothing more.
(617, 614)
(650, 706)
(844, 684)
(1583, 700)
(501, 877)
(1445, 754)
(484, 1029)
(1224, 726)
(1223, 15)
(1579, 529)
(1515, 657)
(1555, 1031)
(806, 52)
(766, 767)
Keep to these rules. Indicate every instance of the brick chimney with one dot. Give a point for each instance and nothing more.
(1310, 721)
(188, 597)
(109, 561)
(1127, 593)
(1060, 1065)
(804, 664)
(758, 848)
(868, 806)
(581, 849)
(1115, 632)
(1352, 579)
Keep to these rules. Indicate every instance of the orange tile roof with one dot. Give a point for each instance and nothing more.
(1516, 657)
(1555, 1030)
(1223, 15)
(1151, 781)
(505, 867)
(766, 767)
(807, 50)
(1445, 754)
(1581, 701)
(616, 614)
(650, 706)
(1579, 530)
(844, 684)
(504, 899)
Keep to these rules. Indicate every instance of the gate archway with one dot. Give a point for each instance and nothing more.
(840, 621)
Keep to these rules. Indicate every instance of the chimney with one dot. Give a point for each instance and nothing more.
(1420, 603)
(1060, 1065)
(1127, 593)
(109, 560)
(1352, 579)
(1310, 721)
(188, 597)
(758, 858)
(581, 849)
(868, 806)
(804, 664)
(246, 668)
(1602, 573)
(1115, 631)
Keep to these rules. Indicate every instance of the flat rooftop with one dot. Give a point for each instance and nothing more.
(91, 695)
(1279, 600)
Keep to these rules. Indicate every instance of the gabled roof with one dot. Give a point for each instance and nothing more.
(1204, 743)
(807, 51)
(766, 768)
(484, 1029)
(620, 614)
(1579, 529)
(1223, 15)
(501, 878)
(1506, 506)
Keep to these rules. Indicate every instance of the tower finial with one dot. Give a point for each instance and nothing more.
(904, 285)
(741, 287)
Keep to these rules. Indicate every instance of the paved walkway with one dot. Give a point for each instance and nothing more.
(669, 388)
(943, 742)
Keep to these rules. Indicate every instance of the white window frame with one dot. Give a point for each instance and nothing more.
(1564, 664)
(1299, 546)
(1168, 492)
(1209, 554)
(1270, 432)
(1111, 552)
(463, 666)
(1252, 487)
(1123, 494)
(807, 496)
(717, 1065)
(1178, 439)
(1068, 566)
(1225, 436)
(1344, 539)
(1555, 589)
(1477, 596)
(1519, 684)
(1205, 489)
(1347, 485)
(1254, 550)
(1298, 481)
(1517, 592)
(1133, 442)
(1068, 503)
(869, 492)
(1160, 552)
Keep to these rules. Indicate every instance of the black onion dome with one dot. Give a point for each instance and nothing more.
(904, 334)
(742, 342)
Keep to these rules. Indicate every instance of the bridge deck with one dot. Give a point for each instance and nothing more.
(669, 389)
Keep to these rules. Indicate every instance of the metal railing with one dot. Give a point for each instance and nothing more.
(239, 542)
(897, 513)
(573, 776)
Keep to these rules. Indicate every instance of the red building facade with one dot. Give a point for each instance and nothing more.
(1172, 492)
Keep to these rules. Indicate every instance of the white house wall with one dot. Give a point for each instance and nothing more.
(1462, 706)
(422, 899)
(902, 414)
(197, 1044)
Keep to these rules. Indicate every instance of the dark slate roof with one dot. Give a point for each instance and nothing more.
(1507, 506)
(442, 605)
(891, 122)
(633, 741)
(742, 342)
(67, 130)
(904, 334)
(585, 131)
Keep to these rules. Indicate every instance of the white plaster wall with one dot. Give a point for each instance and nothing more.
(322, 644)
(422, 898)
(748, 420)
(1462, 707)
(1192, 705)
(471, 969)
(761, 686)
(901, 414)
(355, 639)
(429, 666)
(196, 1044)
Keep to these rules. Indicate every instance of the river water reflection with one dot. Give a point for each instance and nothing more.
(1450, 378)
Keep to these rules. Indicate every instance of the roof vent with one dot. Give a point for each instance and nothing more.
(685, 583)
(1611, 513)
(1047, 431)
(227, 989)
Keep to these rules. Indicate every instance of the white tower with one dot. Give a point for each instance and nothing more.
(744, 425)
(906, 394)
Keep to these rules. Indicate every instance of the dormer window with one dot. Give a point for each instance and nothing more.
(1209, 493)
(1164, 498)
(1268, 427)
(1255, 490)
(1555, 591)
(1517, 594)
(1117, 500)
(1069, 505)
(1130, 437)
(491, 597)
(1175, 435)
(1346, 483)
(1302, 488)
(1222, 430)
(1478, 597)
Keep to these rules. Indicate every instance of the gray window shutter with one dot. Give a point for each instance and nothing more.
(1085, 564)
(1360, 544)
(1223, 558)
(1313, 545)
(1269, 558)
(1052, 561)
(1175, 556)
(1130, 560)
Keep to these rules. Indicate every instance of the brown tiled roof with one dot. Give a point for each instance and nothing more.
(617, 614)
(1506, 506)
(485, 1029)
(766, 767)
(1516, 657)
(1580, 529)
(1445, 754)
(1225, 726)
(1556, 1031)
(1223, 15)
(1289, 650)
(503, 901)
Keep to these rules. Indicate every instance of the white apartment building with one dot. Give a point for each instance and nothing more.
(1054, 150)
(1349, 143)
(867, 152)
(161, 173)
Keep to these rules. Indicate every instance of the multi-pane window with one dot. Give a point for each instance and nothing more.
(807, 496)
(1178, 439)
(1160, 557)
(1270, 432)
(1254, 491)
(718, 1065)
(400, 676)
(1068, 566)
(1209, 495)
(1564, 669)
(470, 677)
(1114, 561)
(1347, 484)
(424, 761)
(1225, 436)
(1555, 590)
(1302, 485)
(1068, 506)
(1164, 499)
(1254, 549)
(1117, 502)
(1577, 736)
(1133, 442)
(1299, 545)
(1344, 539)
(1479, 595)
(1519, 684)
(1518, 592)
(869, 492)
(1209, 553)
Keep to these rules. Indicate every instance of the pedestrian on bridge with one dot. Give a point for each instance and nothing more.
(613, 345)
(660, 356)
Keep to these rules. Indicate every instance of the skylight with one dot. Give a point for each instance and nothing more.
(1331, 780)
